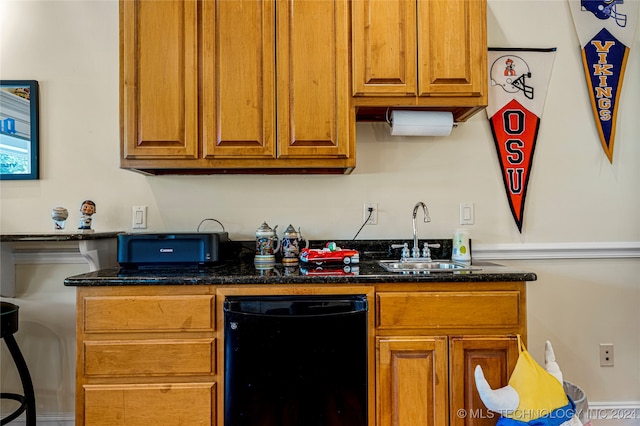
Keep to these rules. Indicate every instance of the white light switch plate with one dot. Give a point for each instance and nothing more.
(139, 217)
(466, 213)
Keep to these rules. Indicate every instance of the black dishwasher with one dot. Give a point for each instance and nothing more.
(295, 360)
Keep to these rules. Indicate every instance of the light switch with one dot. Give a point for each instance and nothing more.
(139, 217)
(466, 213)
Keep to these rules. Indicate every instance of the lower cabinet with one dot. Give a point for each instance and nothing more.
(429, 379)
(150, 355)
(145, 356)
(429, 341)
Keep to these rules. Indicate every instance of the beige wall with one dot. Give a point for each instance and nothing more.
(575, 196)
(578, 304)
(46, 336)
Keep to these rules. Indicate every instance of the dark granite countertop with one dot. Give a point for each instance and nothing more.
(57, 236)
(238, 268)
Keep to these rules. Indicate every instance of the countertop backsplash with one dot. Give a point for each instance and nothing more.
(369, 249)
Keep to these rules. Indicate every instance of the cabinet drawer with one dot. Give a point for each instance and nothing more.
(149, 313)
(149, 357)
(158, 404)
(448, 310)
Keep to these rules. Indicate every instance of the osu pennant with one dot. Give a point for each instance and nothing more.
(519, 80)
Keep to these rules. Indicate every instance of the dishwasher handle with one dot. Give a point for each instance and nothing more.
(298, 306)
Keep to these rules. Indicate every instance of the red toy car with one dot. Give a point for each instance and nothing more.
(333, 271)
(330, 254)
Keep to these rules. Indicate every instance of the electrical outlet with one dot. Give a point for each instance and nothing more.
(606, 354)
(373, 220)
(139, 217)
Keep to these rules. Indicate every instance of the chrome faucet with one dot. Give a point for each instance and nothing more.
(415, 252)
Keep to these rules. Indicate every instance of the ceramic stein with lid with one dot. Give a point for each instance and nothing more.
(59, 216)
(290, 246)
(267, 244)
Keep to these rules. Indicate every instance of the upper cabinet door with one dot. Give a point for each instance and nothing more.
(452, 47)
(159, 79)
(216, 86)
(238, 79)
(384, 47)
(419, 48)
(313, 99)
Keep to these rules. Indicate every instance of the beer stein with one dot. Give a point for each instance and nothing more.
(291, 243)
(267, 244)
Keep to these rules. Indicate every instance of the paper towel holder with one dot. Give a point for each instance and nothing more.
(408, 122)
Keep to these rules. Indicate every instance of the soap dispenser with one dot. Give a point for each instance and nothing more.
(461, 250)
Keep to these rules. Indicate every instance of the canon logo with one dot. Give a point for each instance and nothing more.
(166, 250)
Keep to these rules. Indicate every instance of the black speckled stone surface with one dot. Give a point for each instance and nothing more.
(237, 268)
(58, 236)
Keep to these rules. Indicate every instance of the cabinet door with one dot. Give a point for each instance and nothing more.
(497, 356)
(238, 85)
(452, 48)
(159, 73)
(313, 99)
(384, 47)
(411, 386)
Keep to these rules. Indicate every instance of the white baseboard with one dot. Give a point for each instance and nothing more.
(617, 413)
(61, 419)
(614, 413)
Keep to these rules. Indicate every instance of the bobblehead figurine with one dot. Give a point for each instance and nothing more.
(88, 209)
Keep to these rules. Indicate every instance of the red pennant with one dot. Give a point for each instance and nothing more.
(515, 130)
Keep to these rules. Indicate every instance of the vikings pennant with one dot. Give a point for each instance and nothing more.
(519, 81)
(605, 29)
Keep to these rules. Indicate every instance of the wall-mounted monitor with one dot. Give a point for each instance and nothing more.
(18, 129)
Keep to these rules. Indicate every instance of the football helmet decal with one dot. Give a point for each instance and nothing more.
(605, 9)
(510, 72)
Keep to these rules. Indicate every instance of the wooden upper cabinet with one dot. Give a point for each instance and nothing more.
(452, 47)
(159, 79)
(291, 104)
(424, 53)
(236, 85)
(384, 47)
(313, 79)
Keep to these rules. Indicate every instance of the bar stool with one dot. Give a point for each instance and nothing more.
(8, 326)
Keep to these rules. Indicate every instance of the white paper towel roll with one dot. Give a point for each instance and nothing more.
(421, 123)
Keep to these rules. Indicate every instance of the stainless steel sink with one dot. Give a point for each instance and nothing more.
(426, 266)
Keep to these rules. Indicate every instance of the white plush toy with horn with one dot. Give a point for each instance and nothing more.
(533, 397)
